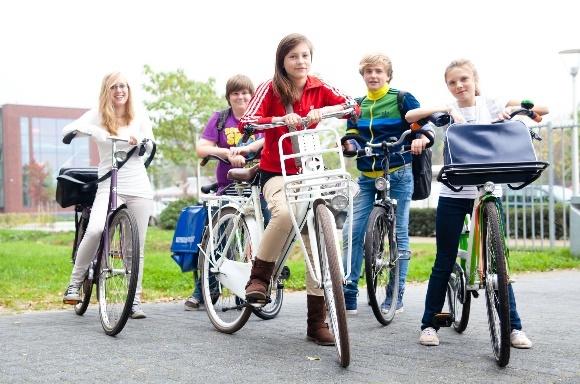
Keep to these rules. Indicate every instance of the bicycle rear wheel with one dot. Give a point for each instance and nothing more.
(86, 288)
(458, 299)
(226, 311)
(496, 284)
(332, 281)
(381, 264)
(119, 271)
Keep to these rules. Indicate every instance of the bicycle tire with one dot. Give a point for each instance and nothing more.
(496, 284)
(458, 299)
(271, 310)
(86, 288)
(219, 301)
(332, 281)
(118, 272)
(381, 263)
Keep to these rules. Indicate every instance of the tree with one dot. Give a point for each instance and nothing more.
(38, 178)
(179, 108)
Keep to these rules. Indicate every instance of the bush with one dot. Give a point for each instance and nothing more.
(422, 222)
(168, 218)
(537, 212)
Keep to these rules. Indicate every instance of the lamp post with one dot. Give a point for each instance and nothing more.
(572, 58)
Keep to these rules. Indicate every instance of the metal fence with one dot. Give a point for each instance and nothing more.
(538, 215)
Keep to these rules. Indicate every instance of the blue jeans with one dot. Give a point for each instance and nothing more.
(448, 226)
(401, 190)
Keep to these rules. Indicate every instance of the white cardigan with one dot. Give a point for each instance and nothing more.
(132, 179)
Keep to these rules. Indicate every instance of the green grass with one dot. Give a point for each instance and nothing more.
(35, 267)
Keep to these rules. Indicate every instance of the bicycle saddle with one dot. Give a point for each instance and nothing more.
(243, 174)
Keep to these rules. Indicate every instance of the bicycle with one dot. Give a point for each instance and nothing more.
(241, 197)
(483, 252)
(308, 193)
(114, 268)
(380, 245)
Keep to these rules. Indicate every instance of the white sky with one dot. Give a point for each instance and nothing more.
(55, 52)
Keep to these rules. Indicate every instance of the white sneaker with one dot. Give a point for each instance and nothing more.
(71, 295)
(351, 312)
(518, 339)
(429, 337)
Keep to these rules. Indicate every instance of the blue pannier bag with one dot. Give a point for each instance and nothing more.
(187, 236)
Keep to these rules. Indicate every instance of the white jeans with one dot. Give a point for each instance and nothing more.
(140, 207)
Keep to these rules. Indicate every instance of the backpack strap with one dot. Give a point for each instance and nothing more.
(402, 110)
(223, 116)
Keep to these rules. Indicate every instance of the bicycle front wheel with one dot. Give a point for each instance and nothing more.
(496, 284)
(332, 281)
(382, 264)
(458, 299)
(119, 271)
(86, 288)
(226, 311)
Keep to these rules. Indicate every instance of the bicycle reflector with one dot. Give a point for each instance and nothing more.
(381, 184)
(120, 156)
(339, 202)
(489, 187)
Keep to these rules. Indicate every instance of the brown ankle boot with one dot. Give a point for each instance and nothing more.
(317, 330)
(257, 286)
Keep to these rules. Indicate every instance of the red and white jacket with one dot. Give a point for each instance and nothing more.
(265, 105)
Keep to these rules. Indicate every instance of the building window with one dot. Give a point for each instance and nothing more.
(25, 157)
(43, 154)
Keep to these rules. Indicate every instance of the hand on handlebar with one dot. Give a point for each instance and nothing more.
(292, 119)
(237, 161)
(419, 145)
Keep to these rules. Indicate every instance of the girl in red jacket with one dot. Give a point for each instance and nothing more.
(291, 95)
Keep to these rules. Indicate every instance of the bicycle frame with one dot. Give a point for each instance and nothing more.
(233, 273)
(315, 184)
(301, 191)
(473, 256)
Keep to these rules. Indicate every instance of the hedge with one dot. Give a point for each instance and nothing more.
(168, 217)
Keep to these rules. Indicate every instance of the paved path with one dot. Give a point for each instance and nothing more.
(174, 346)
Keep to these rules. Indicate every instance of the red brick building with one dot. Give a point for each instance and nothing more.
(32, 152)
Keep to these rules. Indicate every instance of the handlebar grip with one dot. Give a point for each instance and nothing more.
(359, 139)
(205, 160)
(68, 137)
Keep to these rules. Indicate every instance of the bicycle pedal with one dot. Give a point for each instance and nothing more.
(258, 303)
(71, 302)
(285, 274)
(443, 319)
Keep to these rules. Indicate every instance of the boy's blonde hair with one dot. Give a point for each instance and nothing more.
(376, 59)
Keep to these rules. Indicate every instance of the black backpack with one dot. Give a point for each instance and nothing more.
(223, 116)
(422, 174)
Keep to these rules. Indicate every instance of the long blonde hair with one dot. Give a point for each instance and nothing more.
(106, 108)
(466, 64)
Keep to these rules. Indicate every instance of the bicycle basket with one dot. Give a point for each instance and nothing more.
(69, 193)
(474, 154)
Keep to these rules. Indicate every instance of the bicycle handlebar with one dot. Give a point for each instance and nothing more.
(385, 145)
(67, 139)
(250, 128)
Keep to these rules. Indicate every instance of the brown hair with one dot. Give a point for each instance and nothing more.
(106, 108)
(283, 86)
(467, 64)
(238, 83)
(376, 59)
